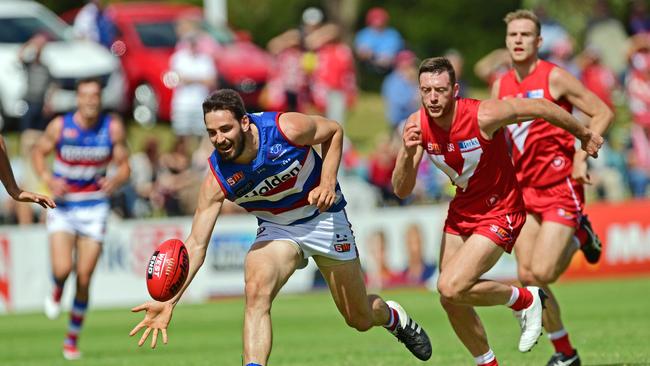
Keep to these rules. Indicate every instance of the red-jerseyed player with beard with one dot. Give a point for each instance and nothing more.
(465, 138)
(549, 170)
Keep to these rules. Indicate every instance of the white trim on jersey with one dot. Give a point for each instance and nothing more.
(519, 134)
(78, 172)
(303, 176)
(84, 196)
(286, 218)
(575, 198)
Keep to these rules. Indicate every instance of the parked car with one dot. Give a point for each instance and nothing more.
(67, 59)
(146, 40)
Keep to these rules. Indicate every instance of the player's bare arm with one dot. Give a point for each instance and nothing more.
(309, 130)
(159, 314)
(408, 158)
(495, 114)
(494, 92)
(44, 147)
(563, 84)
(9, 181)
(120, 157)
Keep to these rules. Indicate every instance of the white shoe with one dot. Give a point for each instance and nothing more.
(52, 308)
(530, 320)
(71, 353)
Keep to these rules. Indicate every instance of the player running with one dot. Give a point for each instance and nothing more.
(266, 163)
(550, 171)
(465, 139)
(85, 142)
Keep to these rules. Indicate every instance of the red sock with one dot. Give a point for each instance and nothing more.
(523, 301)
(491, 363)
(56, 294)
(582, 235)
(393, 320)
(563, 345)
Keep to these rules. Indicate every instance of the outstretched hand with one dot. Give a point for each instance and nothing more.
(157, 318)
(591, 143)
(44, 201)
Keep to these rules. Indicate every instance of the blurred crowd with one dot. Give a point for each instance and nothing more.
(316, 71)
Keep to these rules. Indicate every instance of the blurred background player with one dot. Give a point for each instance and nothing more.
(300, 209)
(465, 139)
(550, 171)
(85, 142)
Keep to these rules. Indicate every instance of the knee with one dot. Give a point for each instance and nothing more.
(258, 295)
(546, 274)
(359, 322)
(450, 290)
(61, 274)
(526, 276)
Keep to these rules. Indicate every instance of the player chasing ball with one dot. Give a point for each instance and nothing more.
(465, 139)
(266, 163)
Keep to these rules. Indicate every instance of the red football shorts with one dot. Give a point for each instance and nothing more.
(561, 203)
(503, 230)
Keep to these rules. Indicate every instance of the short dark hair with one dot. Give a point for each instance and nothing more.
(89, 80)
(225, 100)
(438, 65)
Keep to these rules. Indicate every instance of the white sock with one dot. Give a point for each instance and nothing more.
(559, 334)
(392, 319)
(483, 359)
(513, 296)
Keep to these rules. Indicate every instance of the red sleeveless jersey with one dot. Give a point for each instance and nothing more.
(480, 169)
(541, 152)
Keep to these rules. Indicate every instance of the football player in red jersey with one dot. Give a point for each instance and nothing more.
(465, 138)
(550, 171)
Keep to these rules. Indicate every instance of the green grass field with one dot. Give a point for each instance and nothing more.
(609, 323)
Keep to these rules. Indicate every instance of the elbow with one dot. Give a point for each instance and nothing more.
(401, 195)
(400, 192)
(609, 118)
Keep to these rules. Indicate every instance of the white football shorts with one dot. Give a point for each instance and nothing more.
(87, 221)
(328, 235)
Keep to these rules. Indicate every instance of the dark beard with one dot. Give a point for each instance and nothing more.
(238, 149)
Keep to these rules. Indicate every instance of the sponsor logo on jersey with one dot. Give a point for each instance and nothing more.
(286, 161)
(276, 151)
(492, 200)
(78, 153)
(450, 147)
(342, 248)
(468, 145)
(535, 94)
(434, 148)
(558, 163)
(70, 133)
(273, 181)
(340, 238)
(564, 214)
(502, 233)
(233, 179)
